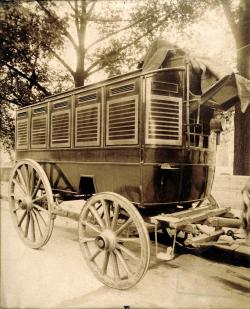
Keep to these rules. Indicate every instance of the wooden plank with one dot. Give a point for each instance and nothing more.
(179, 214)
(177, 223)
(195, 241)
(226, 222)
(200, 217)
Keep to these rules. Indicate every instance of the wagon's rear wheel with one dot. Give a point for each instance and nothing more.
(31, 200)
(114, 240)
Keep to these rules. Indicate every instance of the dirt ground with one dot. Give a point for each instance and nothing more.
(58, 277)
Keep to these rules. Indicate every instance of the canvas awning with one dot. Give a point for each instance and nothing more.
(224, 93)
(220, 87)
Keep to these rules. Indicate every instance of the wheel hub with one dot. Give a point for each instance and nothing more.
(106, 240)
(26, 203)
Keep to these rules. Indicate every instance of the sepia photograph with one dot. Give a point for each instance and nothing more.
(125, 154)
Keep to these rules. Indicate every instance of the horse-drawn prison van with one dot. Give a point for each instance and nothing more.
(137, 147)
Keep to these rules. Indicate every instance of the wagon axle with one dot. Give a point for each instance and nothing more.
(106, 240)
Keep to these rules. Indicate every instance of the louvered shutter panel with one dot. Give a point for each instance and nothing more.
(164, 120)
(122, 121)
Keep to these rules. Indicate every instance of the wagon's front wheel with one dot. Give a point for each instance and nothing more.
(31, 200)
(114, 240)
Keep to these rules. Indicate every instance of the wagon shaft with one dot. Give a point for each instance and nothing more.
(66, 213)
(178, 222)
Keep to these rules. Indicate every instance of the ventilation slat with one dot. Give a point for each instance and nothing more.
(123, 125)
(86, 140)
(88, 134)
(88, 118)
(124, 116)
(86, 126)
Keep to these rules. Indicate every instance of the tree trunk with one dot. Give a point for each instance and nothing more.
(81, 24)
(242, 121)
(79, 75)
(241, 141)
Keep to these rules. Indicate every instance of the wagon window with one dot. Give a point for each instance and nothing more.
(22, 130)
(87, 98)
(122, 121)
(122, 89)
(164, 120)
(60, 124)
(39, 127)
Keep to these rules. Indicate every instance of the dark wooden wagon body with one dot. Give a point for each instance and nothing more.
(130, 134)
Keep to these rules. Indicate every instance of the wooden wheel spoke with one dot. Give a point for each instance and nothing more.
(97, 217)
(106, 209)
(115, 216)
(37, 222)
(33, 232)
(39, 198)
(87, 239)
(40, 208)
(128, 239)
(22, 182)
(91, 226)
(98, 205)
(14, 196)
(38, 184)
(123, 262)
(31, 179)
(27, 225)
(124, 226)
(21, 220)
(115, 266)
(127, 251)
(15, 210)
(26, 177)
(105, 263)
(40, 216)
(20, 188)
(16, 202)
(93, 256)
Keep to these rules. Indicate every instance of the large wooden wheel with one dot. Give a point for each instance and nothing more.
(31, 199)
(114, 240)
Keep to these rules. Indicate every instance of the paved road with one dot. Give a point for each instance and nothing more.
(58, 277)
